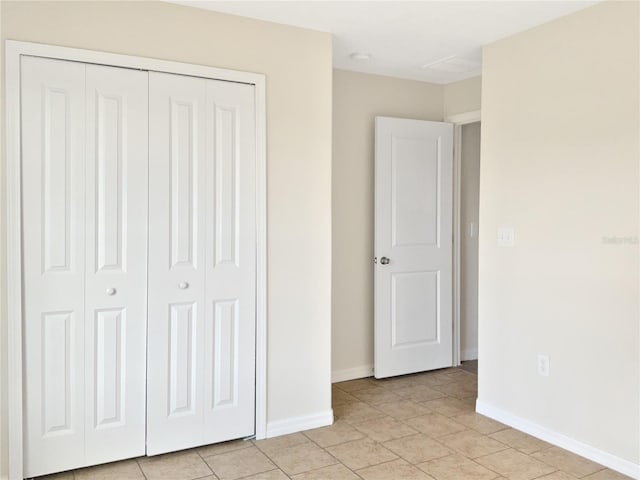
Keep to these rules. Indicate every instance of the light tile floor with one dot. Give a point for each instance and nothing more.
(417, 427)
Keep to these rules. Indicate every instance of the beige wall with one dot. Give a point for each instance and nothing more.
(357, 99)
(462, 96)
(297, 64)
(469, 204)
(560, 150)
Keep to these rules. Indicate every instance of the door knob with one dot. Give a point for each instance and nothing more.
(384, 261)
(110, 291)
(183, 285)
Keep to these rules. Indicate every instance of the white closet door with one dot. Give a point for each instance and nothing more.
(201, 388)
(53, 254)
(116, 262)
(84, 168)
(175, 386)
(231, 262)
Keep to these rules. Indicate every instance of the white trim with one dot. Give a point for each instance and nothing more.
(362, 371)
(560, 440)
(14, 50)
(469, 354)
(261, 259)
(14, 264)
(299, 424)
(458, 121)
(464, 118)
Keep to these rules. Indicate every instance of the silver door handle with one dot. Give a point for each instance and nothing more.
(183, 285)
(110, 291)
(384, 261)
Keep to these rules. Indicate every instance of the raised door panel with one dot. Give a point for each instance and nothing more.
(230, 295)
(52, 119)
(116, 263)
(177, 232)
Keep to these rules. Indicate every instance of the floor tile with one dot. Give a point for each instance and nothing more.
(520, 441)
(333, 472)
(456, 467)
(339, 432)
(435, 425)
(472, 444)
(419, 393)
(340, 397)
(373, 396)
(270, 475)
(558, 475)
(385, 428)
(567, 461)
(607, 474)
(361, 453)
(479, 423)
(301, 458)
(125, 470)
(417, 448)
(355, 385)
(515, 465)
(239, 463)
(458, 390)
(396, 470)
(356, 412)
(449, 406)
(403, 409)
(223, 447)
(278, 443)
(174, 466)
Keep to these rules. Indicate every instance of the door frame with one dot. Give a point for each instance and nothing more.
(14, 50)
(458, 121)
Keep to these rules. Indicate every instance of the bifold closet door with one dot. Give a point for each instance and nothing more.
(116, 262)
(84, 175)
(201, 348)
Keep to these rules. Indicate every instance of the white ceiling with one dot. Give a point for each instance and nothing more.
(403, 37)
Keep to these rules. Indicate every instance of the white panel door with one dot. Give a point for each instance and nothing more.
(177, 162)
(201, 262)
(413, 246)
(84, 171)
(53, 261)
(229, 362)
(116, 262)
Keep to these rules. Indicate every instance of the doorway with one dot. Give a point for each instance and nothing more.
(467, 132)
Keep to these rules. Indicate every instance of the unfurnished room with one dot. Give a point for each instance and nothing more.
(320, 240)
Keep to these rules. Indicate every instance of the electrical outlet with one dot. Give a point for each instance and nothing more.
(543, 365)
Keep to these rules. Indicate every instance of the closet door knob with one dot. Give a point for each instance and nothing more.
(110, 291)
(183, 285)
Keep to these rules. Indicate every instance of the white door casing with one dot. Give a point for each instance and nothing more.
(201, 388)
(413, 233)
(84, 178)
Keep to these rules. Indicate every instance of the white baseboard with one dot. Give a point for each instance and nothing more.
(298, 424)
(469, 354)
(351, 373)
(558, 439)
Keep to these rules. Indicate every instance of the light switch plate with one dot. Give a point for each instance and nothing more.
(506, 237)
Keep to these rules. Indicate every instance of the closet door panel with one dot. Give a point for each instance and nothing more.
(52, 93)
(116, 262)
(229, 377)
(176, 262)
